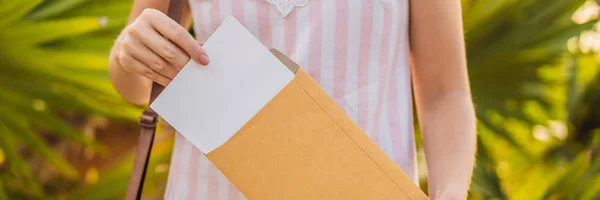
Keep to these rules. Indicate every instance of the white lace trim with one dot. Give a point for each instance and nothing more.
(286, 6)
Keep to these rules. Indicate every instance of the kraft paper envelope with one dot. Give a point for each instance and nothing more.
(272, 131)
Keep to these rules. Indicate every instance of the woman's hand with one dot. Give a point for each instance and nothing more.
(156, 47)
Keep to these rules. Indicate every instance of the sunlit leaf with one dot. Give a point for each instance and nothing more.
(31, 33)
(17, 164)
(578, 173)
(108, 8)
(114, 181)
(3, 194)
(45, 119)
(12, 11)
(485, 179)
(53, 8)
(20, 126)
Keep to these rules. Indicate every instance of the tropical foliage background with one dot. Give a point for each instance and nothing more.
(534, 70)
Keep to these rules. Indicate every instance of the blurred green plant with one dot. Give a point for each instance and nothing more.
(53, 63)
(113, 183)
(528, 89)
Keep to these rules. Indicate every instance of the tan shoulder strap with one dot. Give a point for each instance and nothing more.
(148, 121)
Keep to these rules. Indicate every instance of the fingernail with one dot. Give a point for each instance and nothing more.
(204, 59)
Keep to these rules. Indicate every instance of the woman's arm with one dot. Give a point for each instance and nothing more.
(442, 96)
(134, 64)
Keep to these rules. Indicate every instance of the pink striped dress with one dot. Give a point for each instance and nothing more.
(357, 50)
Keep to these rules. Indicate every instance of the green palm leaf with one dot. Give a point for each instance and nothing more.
(114, 181)
(517, 59)
(46, 70)
(54, 8)
(28, 33)
(508, 43)
(13, 11)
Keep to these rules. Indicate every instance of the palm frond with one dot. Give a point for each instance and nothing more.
(114, 180)
(577, 179)
(3, 194)
(508, 43)
(43, 75)
(28, 33)
(53, 8)
(13, 11)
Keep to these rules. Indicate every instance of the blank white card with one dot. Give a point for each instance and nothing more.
(209, 104)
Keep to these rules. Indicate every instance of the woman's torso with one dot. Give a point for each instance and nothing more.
(357, 50)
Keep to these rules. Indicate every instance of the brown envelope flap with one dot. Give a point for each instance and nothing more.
(369, 147)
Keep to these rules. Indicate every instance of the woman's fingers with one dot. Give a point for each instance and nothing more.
(165, 49)
(142, 53)
(136, 66)
(177, 34)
